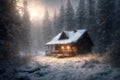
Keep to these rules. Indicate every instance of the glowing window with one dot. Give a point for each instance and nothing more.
(62, 47)
(68, 47)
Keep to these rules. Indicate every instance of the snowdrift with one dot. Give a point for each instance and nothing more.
(74, 68)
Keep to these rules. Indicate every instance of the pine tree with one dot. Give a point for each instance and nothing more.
(91, 23)
(55, 24)
(90, 14)
(47, 27)
(116, 16)
(104, 24)
(10, 24)
(80, 15)
(61, 19)
(25, 45)
(69, 17)
(113, 54)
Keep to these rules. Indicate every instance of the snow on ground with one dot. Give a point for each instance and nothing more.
(74, 68)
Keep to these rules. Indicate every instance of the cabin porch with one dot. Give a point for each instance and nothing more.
(61, 50)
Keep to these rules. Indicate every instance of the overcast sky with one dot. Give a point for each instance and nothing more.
(54, 3)
(51, 5)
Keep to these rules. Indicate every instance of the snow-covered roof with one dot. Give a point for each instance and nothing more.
(73, 37)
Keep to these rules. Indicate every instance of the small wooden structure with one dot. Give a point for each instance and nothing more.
(70, 43)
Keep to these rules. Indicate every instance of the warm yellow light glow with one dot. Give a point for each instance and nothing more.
(36, 11)
(68, 47)
(35, 8)
(62, 47)
(33, 13)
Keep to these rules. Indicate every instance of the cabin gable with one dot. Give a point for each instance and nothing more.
(63, 36)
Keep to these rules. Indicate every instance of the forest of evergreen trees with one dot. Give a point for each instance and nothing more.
(14, 28)
(14, 37)
(99, 17)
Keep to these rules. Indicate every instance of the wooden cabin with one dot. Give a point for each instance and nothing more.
(70, 43)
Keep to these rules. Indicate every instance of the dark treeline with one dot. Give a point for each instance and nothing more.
(100, 17)
(14, 29)
(14, 37)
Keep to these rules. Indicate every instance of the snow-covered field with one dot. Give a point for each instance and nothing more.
(74, 68)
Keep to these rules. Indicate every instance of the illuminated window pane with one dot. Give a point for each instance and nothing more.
(62, 47)
(68, 47)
